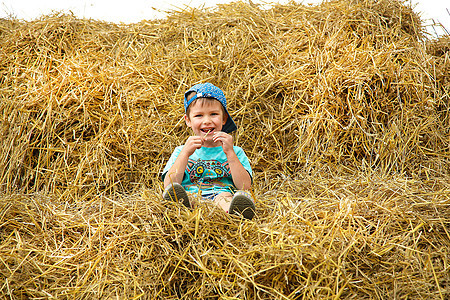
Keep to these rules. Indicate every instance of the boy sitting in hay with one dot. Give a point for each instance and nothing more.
(208, 163)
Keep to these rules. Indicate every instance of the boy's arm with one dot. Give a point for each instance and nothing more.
(241, 178)
(176, 172)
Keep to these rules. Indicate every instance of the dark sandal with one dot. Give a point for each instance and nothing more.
(176, 192)
(242, 204)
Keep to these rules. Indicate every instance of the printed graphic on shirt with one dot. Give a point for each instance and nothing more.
(204, 171)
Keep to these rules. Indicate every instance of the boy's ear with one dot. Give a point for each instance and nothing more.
(225, 118)
(187, 120)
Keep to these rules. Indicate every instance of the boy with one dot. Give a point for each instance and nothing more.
(208, 163)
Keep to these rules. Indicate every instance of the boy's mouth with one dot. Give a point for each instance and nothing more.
(207, 130)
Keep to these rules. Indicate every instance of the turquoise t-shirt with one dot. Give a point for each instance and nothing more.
(208, 170)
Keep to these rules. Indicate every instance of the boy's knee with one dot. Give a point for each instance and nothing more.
(224, 195)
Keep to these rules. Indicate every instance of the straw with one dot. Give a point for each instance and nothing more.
(206, 134)
(342, 109)
(312, 239)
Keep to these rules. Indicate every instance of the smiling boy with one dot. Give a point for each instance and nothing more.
(208, 163)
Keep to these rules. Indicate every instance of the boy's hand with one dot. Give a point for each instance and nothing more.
(192, 143)
(225, 139)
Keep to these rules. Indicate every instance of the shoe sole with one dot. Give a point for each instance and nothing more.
(176, 193)
(242, 205)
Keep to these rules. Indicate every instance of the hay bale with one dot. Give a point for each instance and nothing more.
(382, 238)
(345, 83)
(340, 108)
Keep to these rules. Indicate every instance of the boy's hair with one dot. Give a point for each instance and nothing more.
(201, 101)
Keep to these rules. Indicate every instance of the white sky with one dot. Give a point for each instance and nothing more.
(132, 11)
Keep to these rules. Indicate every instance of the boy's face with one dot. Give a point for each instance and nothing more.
(204, 117)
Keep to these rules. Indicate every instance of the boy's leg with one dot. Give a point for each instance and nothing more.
(176, 192)
(223, 200)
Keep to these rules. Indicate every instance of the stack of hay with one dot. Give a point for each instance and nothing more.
(341, 108)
